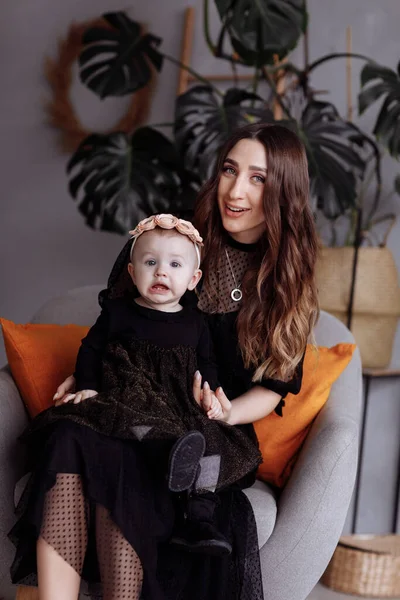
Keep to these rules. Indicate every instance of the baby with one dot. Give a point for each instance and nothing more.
(135, 371)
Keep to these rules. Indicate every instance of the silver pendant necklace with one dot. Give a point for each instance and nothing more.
(236, 293)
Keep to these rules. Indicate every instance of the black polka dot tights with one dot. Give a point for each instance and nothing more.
(65, 528)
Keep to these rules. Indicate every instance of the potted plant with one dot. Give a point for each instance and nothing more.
(117, 179)
(358, 279)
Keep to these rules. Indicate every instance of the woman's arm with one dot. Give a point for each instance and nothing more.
(247, 408)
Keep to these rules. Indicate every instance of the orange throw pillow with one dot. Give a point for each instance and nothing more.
(281, 438)
(40, 358)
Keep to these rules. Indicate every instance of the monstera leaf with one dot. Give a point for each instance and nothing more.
(127, 57)
(380, 81)
(262, 29)
(335, 157)
(122, 180)
(203, 123)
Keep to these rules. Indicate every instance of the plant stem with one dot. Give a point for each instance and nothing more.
(351, 236)
(206, 29)
(357, 244)
(328, 57)
(306, 50)
(192, 72)
(220, 44)
(277, 96)
(287, 67)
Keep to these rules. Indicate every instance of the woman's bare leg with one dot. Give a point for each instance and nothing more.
(56, 578)
(62, 544)
(120, 567)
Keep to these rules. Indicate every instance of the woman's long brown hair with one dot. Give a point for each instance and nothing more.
(280, 305)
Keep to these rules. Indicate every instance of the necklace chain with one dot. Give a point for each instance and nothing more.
(236, 293)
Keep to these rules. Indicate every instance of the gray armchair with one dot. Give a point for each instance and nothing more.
(298, 530)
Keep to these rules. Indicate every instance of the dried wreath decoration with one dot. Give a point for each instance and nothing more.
(60, 110)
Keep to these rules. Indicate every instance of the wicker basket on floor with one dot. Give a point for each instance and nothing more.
(365, 565)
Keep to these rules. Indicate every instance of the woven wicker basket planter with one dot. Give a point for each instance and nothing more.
(376, 307)
(365, 565)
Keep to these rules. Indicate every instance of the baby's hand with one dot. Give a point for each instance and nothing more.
(216, 404)
(76, 398)
(215, 412)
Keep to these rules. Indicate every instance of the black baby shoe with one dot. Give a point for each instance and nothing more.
(198, 532)
(202, 538)
(184, 461)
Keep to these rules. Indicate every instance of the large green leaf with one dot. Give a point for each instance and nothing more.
(117, 61)
(120, 180)
(336, 157)
(262, 29)
(203, 123)
(378, 81)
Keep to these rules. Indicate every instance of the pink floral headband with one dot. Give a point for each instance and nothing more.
(168, 222)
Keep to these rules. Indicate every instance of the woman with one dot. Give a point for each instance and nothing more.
(259, 291)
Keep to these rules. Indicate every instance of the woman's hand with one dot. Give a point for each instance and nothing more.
(197, 391)
(216, 404)
(64, 391)
(251, 406)
(79, 396)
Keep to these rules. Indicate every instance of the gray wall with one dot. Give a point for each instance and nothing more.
(45, 248)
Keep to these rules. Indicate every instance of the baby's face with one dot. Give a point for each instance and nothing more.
(164, 265)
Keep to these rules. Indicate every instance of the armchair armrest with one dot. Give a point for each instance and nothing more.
(13, 420)
(313, 506)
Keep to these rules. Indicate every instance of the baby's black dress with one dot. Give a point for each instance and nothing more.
(127, 475)
(142, 362)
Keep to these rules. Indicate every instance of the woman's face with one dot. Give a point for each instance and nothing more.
(241, 191)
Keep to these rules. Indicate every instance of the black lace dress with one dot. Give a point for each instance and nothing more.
(127, 476)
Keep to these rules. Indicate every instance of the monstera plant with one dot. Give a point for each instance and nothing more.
(116, 179)
(263, 30)
(377, 82)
